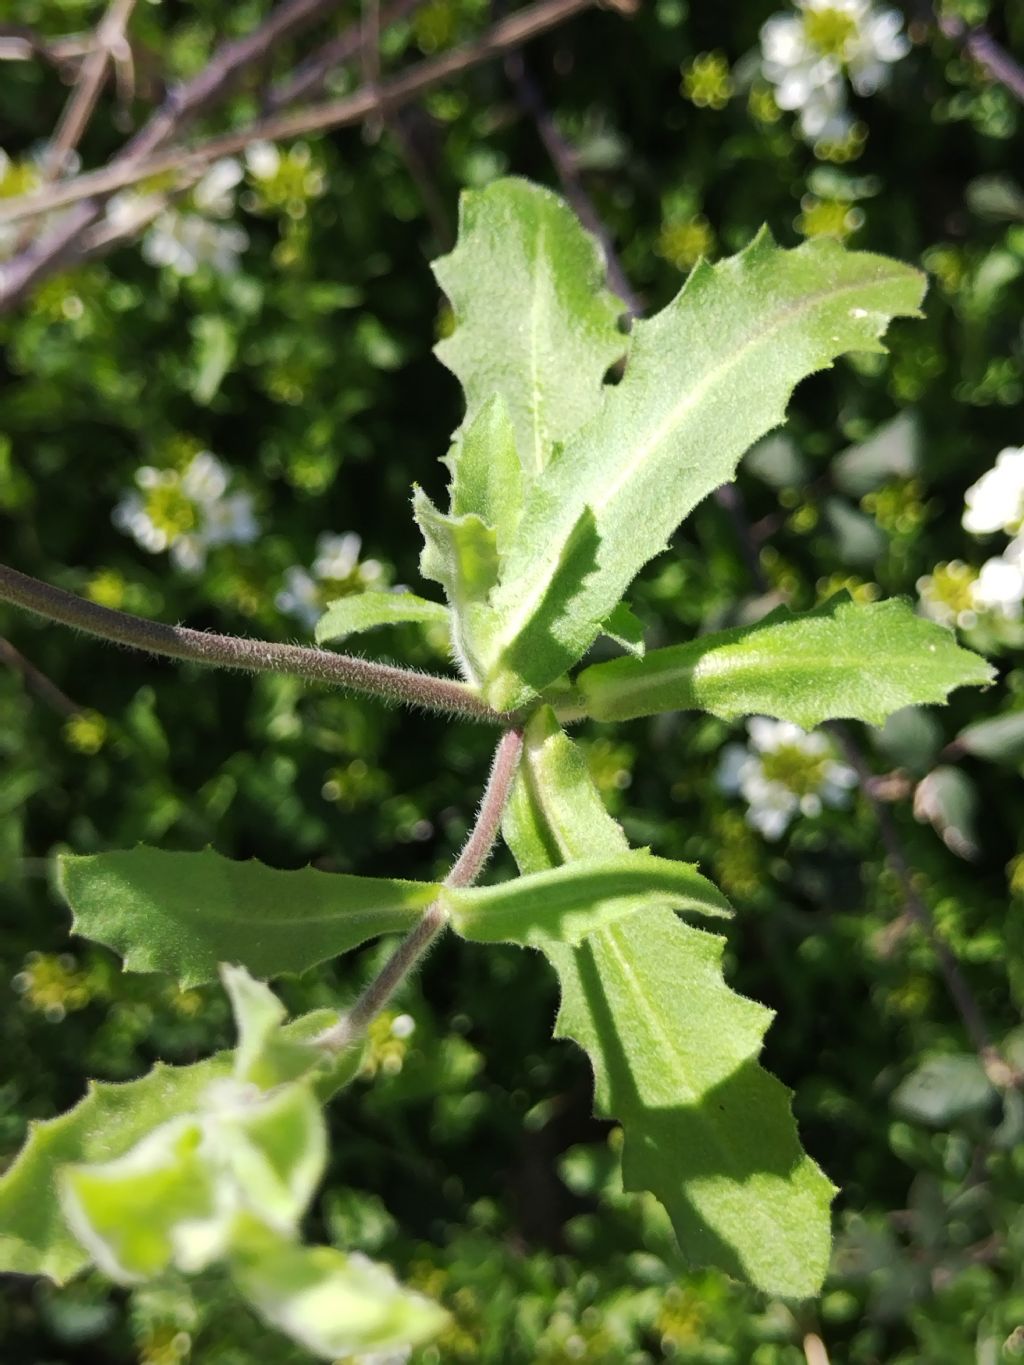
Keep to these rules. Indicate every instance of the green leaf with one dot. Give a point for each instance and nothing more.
(487, 478)
(533, 320)
(107, 1123)
(674, 1053)
(126, 1212)
(111, 1119)
(184, 913)
(706, 377)
(845, 659)
(333, 1304)
(626, 630)
(564, 904)
(369, 610)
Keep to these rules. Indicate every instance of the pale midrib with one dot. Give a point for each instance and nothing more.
(249, 916)
(530, 600)
(675, 1054)
(540, 278)
(703, 670)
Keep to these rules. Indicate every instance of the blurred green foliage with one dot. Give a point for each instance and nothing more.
(468, 1157)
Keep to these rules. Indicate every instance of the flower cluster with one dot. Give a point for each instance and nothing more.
(956, 594)
(336, 572)
(810, 55)
(783, 771)
(185, 240)
(186, 512)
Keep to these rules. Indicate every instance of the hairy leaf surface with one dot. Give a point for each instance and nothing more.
(486, 476)
(706, 377)
(184, 913)
(369, 610)
(533, 320)
(846, 659)
(674, 1052)
(566, 903)
(109, 1121)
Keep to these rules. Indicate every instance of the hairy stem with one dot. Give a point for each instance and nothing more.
(390, 684)
(467, 867)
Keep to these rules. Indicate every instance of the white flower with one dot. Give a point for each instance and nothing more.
(186, 513)
(214, 193)
(805, 56)
(996, 501)
(263, 160)
(185, 241)
(1000, 587)
(300, 597)
(784, 771)
(337, 556)
(305, 595)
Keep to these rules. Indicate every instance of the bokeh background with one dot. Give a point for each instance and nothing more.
(280, 317)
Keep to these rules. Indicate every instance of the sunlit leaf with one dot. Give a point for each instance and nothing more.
(108, 1123)
(674, 1052)
(487, 478)
(706, 377)
(534, 322)
(126, 1212)
(333, 1304)
(846, 659)
(184, 913)
(566, 903)
(365, 611)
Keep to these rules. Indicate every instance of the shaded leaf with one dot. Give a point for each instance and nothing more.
(626, 629)
(184, 913)
(566, 903)
(674, 1053)
(892, 452)
(944, 1089)
(672, 431)
(845, 659)
(999, 739)
(533, 320)
(369, 610)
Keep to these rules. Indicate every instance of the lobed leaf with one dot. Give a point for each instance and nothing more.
(674, 1052)
(113, 1119)
(845, 659)
(706, 378)
(534, 322)
(184, 913)
(565, 904)
(365, 611)
(460, 553)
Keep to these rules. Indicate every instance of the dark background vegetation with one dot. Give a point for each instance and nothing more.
(468, 1158)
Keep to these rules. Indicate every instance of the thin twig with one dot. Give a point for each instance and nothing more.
(467, 868)
(350, 109)
(383, 681)
(814, 1350)
(37, 681)
(83, 98)
(563, 158)
(982, 48)
(184, 103)
(311, 75)
(19, 43)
